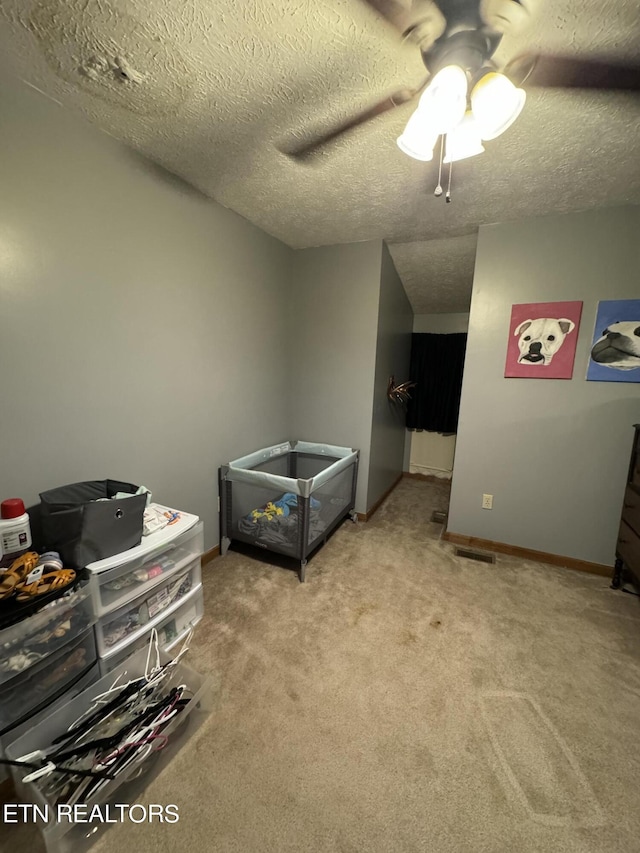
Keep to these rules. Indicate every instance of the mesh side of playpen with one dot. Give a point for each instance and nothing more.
(255, 518)
(329, 502)
(267, 490)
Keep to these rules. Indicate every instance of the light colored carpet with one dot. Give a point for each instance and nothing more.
(405, 699)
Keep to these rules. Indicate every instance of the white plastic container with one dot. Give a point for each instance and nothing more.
(117, 629)
(48, 629)
(15, 530)
(126, 576)
(129, 786)
(172, 630)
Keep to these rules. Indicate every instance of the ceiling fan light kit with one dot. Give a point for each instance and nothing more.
(418, 139)
(467, 100)
(440, 109)
(457, 40)
(464, 140)
(496, 103)
(444, 101)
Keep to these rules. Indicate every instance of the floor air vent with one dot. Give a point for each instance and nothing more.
(439, 516)
(481, 556)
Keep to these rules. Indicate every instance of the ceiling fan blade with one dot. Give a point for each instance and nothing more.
(397, 14)
(421, 23)
(572, 73)
(403, 96)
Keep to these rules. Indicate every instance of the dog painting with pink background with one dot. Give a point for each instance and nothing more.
(542, 340)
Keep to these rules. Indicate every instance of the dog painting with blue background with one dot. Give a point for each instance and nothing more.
(615, 350)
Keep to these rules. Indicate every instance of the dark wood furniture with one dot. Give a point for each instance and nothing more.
(628, 544)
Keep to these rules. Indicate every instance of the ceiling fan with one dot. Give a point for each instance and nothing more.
(466, 99)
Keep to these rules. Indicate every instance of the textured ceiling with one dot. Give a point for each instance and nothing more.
(214, 89)
(437, 274)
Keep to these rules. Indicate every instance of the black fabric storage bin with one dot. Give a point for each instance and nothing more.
(83, 528)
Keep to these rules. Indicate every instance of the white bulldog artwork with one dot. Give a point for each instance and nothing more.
(543, 339)
(539, 340)
(619, 346)
(615, 351)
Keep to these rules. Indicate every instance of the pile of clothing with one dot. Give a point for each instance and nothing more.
(276, 523)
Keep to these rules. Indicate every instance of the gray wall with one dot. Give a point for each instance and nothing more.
(332, 347)
(143, 328)
(441, 324)
(395, 320)
(554, 453)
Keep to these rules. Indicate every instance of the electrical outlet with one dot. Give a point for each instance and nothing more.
(487, 502)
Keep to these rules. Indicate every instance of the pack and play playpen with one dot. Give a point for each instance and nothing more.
(287, 498)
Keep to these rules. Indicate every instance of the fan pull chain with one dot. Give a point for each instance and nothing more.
(447, 197)
(438, 190)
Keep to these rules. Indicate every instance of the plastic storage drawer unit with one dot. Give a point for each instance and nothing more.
(34, 639)
(128, 785)
(37, 687)
(20, 728)
(119, 579)
(176, 623)
(118, 629)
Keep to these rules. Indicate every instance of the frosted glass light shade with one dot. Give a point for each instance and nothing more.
(445, 99)
(464, 140)
(418, 138)
(496, 103)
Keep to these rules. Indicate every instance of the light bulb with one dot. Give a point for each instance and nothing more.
(464, 140)
(496, 103)
(445, 99)
(418, 138)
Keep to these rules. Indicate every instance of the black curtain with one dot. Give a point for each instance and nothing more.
(437, 362)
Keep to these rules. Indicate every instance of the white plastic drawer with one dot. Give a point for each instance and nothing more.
(31, 641)
(174, 631)
(112, 588)
(76, 686)
(173, 628)
(36, 688)
(116, 630)
(128, 787)
(21, 728)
